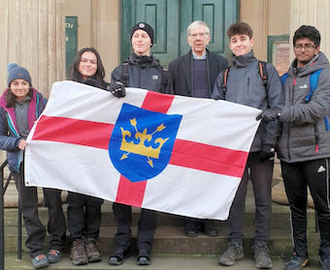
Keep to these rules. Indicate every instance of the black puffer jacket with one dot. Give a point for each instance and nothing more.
(143, 72)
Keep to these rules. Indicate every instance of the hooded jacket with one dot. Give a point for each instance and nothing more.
(9, 135)
(244, 86)
(143, 72)
(304, 135)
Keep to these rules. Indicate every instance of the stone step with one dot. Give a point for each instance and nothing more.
(159, 262)
(280, 216)
(171, 240)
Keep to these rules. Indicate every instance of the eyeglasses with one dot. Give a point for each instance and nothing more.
(307, 47)
(202, 35)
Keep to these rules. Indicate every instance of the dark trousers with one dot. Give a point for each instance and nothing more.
(35, 229)
(315, 175)
(261, 174)
(84, 216)
(195, 224)
(146, 227)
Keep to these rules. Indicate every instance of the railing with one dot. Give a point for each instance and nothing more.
(2, 222)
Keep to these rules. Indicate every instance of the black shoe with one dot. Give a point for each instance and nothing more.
(296, 263)
(210, 230)
(143, 257)
(325, 263)
(117, 258)
(191, 229)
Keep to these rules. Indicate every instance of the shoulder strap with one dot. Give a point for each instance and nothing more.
(263, 73)
(224, 78)
(165, 80)
(124, 74)
(314, 81)
(284, 77)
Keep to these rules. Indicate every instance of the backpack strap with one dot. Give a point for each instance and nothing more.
(284, 77)
(225, 78)
(263, 73)
(124, 74)
(165, 80)
(314, 81)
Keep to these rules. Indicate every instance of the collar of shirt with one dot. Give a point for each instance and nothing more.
(195, 56)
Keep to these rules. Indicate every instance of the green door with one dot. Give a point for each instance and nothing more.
(71, 30)
(170, 20)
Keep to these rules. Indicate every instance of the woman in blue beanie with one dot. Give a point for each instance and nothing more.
(20, 107)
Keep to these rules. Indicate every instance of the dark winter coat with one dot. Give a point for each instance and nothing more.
(143, 72)
(9, 135)
(181, 69)
(245, 86)
(305, 136)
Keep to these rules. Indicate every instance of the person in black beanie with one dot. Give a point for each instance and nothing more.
(141, 70)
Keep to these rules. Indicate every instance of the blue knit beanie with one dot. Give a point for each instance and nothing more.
(17, 72)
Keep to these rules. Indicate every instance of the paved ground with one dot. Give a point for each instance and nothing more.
(159, 262)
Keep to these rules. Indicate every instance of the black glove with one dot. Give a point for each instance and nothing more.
(267, 152)
(117, 89)
(270, 114)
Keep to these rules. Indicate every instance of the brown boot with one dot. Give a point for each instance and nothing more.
(78, 254)
(92, 251)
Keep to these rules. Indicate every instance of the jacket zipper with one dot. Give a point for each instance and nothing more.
(289, 128)
(14, 131)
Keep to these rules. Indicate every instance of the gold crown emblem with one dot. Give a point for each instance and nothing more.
(140, 148)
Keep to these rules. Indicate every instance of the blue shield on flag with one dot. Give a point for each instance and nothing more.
(142, 141)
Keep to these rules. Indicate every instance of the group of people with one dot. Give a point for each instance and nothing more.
(294, 124)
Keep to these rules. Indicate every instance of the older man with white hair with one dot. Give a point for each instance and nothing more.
(194, 75)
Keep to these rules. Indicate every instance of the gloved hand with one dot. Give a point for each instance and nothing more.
(270, 114)
(117, 89)
(267, 152)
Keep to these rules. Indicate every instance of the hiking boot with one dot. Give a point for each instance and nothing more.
(261, 255)
(40, 261)
(325, 263)
(296, 263)
(54, 256)
(234, 252)
(78, 254)
(92, 251)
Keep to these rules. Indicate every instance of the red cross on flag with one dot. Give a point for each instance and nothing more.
(168, 153)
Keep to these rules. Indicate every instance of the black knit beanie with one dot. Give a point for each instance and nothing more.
(145, 27)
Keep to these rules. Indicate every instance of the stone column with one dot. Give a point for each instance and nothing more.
(33, 35)
(311, 12)
(255, 13)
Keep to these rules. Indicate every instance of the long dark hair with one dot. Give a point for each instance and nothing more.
(11, 98)
(99, 74)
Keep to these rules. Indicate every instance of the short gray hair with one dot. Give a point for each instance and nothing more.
(196, 24)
